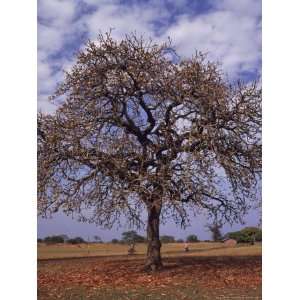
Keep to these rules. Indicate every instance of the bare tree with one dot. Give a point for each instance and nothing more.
(215, 229)
(138, 131)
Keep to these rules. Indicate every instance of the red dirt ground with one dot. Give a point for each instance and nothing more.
(206, 272)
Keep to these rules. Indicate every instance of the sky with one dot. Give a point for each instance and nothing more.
(228, 31)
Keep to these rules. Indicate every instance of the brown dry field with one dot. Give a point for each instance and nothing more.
(208, 271)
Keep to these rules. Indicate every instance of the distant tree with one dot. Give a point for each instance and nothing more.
(192, 238)
(180, 241)
(258, 235)
(65, 237)
(97, 239)
(54, 239)
(253, 234)
(76, 240)
(139, 131)
(115, 241)
(167, 239)
(215, 229)
(246, 235)
(131, 237)
(39, 240)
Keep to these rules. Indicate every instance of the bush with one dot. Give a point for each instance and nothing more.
(180, 241)
(192, 238)
(130, 237)
(39, 240)
(258, 236)
(65, 237)
(246, 235)
(55, 239)
(167, 239)
(115, 241)
(76, 240)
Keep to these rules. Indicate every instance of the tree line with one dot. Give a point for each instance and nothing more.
(246, 235)
(60, 239)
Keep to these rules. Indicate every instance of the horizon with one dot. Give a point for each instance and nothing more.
(62, 224)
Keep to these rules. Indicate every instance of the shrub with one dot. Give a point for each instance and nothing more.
(246, 235)
(55, 239)
(192, 238)
(167, 239)
(129, 237)
(76, 240)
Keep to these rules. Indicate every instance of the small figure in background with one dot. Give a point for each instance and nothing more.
(186, 247)
(131, 249)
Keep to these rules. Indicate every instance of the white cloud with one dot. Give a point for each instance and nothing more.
(230, 32)
(57, 12)
(125, 19)
(55, 29)
(45, 80)
(45, 105)
(50, 39)
(240, 7)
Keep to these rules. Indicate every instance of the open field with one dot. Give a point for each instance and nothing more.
(208, 271)
(200, 249)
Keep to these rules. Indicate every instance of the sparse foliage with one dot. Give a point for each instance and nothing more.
(139, 131)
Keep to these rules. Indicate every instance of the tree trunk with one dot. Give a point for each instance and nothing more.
(153, 261)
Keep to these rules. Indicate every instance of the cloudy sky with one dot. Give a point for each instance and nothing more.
(229, 31)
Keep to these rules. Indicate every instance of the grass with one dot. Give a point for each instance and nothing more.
(107, 249)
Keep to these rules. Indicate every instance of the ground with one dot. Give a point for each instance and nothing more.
(208, 271)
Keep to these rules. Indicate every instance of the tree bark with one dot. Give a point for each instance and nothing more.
(153, 261)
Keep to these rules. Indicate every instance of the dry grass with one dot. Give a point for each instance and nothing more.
(176, 249)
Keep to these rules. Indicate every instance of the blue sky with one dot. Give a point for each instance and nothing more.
(229, 31)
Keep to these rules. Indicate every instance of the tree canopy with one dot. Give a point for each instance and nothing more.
(137, 130)
(131, 237)
(167, 239)
(76, 240)
(192, 238)
(54, 239)
(246, 235)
